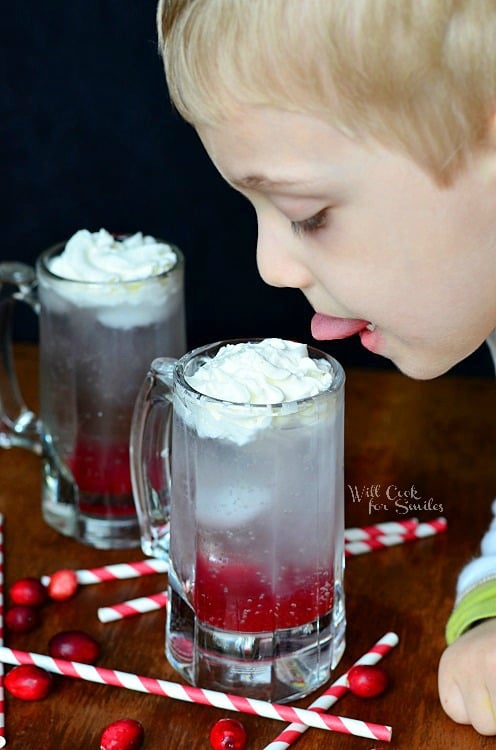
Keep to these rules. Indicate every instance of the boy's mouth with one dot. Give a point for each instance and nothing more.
(328, 328)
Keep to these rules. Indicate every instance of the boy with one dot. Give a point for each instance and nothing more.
(364, 134)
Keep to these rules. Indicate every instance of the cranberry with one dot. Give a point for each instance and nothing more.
(63, 585)
(367, 681)
(227, 734)
(27, 682)
(125, 734)
(22, 619)
(74, 645)
(28, 591)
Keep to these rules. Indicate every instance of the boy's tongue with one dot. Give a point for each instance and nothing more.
(327, 328)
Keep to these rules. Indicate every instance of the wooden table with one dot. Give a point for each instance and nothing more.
(437, 437)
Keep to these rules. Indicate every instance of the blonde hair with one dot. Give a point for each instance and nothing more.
(416, 75)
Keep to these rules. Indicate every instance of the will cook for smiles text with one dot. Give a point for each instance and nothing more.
(403, 501)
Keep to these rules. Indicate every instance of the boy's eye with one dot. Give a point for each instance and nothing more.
(311, 224)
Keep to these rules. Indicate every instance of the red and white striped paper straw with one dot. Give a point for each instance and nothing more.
(132, 607)
(293, 732)
(423, 530)
(359, 533)
(343, 725)
(3, 741)
(118, 572)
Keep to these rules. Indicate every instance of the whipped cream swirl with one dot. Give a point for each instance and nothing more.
(125, 283)
(100, 257)
(259, 385)
(271, 371)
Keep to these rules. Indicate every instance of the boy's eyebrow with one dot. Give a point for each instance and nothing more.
(260, 181)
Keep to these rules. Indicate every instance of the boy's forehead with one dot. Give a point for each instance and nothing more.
(262, 148)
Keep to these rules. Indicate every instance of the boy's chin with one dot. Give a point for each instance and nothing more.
(423, 369)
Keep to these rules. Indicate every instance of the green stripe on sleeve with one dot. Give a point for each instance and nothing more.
(478, 604)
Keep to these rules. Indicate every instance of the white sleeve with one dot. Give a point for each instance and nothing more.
(491, 342)
(482, 567)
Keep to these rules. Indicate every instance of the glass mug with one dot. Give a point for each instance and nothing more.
(256, 548)
(96, 340)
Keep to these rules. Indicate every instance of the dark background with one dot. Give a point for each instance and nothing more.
(89, 140)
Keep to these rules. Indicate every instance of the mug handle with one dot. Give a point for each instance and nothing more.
(149, 450)
(19, 426)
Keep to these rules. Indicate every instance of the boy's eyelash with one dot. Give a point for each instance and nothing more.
(312, 224)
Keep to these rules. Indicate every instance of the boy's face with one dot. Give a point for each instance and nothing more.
(367, 236)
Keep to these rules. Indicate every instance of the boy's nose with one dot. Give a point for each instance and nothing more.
(278, 265)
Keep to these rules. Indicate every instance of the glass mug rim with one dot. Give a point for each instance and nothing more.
(41, 263)
(179, 366)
